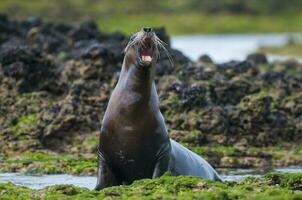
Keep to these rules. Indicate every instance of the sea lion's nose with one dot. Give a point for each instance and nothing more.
(147, 29)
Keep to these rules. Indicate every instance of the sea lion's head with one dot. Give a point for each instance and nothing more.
(143, 48)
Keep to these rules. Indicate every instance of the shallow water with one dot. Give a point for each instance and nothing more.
(239, 174)
(38, 182)
(226, 47)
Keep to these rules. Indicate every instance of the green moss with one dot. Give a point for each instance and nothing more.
(61, 56)
(218, 150)
(49, 163)
(201, 150)
(191, 120)
(291, 181)
(30, 157)
(300, 151)
(78, 165)
(255, 96)
(27, 120)
(9, 191)
(34, 100)
(173, 101)
(235, 156)
(169, 187)
(279, 153)
(23, 123)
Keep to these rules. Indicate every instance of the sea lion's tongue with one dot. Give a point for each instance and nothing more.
(146, 54)
(146, 58)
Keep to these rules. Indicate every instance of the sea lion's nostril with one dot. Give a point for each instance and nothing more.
(147, 29)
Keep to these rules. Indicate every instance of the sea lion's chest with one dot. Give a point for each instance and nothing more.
(133, 135)
(132, 126)
(129, 109)
(129, 148)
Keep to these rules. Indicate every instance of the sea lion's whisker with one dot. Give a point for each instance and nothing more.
(142, 42)
(159, 40)
(161, 45)
(157, 51)
(169, 56)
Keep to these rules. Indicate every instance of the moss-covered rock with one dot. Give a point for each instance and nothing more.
(23, 123)
(292, 181)
(169, 187)
(49, 163)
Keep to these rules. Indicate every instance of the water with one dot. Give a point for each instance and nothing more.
(239, 174)
(226, 47)
(38, 182)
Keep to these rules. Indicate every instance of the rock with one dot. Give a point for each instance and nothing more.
(205, 59)
(87, 30)
(231, 92)
(27, 67)
(257, 58)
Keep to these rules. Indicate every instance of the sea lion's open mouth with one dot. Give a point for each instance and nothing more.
(145, 47)
(146, 51)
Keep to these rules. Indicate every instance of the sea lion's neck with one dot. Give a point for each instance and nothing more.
(138, 79)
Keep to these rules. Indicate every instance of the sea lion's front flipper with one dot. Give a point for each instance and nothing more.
(163, 161)
(105, 176)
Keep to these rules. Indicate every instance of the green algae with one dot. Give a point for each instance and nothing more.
(49, 163)
(218, 150)
(9, 191)
(300, 151)
(238, 156)
(23, 123)
(169, 187)
(292, 181)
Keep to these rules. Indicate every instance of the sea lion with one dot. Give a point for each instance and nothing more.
(134, 142)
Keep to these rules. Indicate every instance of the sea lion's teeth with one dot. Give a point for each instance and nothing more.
(147, 58)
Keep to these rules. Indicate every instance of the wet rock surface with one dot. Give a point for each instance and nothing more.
(56, 80)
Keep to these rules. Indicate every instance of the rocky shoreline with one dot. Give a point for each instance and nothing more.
(56, 79)
(272, 186)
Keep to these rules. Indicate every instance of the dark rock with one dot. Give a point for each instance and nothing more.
(30, 22)
(257, 58)
(205, 59)
(27, 67)
(231, 92)
(87, 30)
